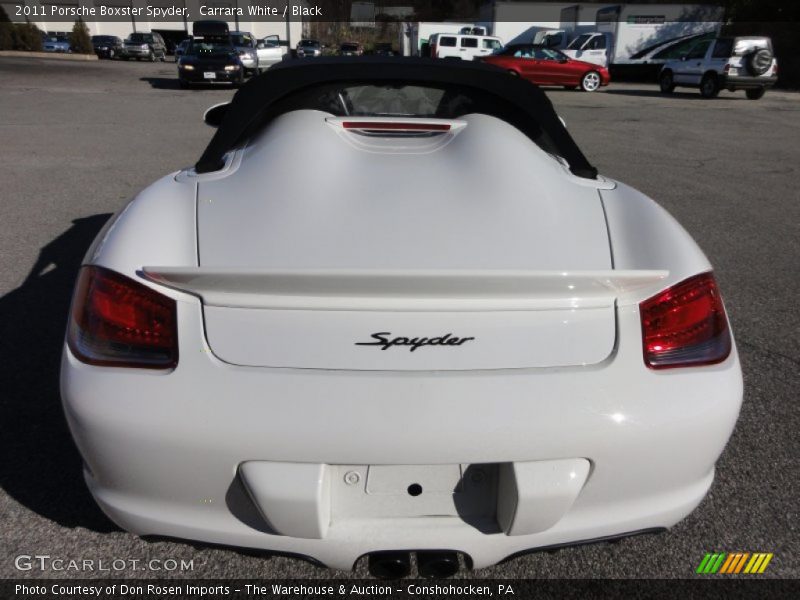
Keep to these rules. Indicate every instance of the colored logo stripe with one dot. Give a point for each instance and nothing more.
(711, 563)
(758, 563)
(703, 563)
(733, 563)
(732, 558)
(740, 564)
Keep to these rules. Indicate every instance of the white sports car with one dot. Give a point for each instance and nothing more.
(394, 309)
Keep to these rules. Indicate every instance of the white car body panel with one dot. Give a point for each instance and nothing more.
(654, 482)
(564, 337)
(588, 53)
(245, 224)
(276, 431)
(269, 52)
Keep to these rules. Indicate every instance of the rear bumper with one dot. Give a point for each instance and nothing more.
(164, 453)
(138, 52)
(197, 76)
(740, 82)
(108, 52)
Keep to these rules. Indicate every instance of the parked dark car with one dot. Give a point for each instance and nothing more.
(148, 46)
(308, 48)
(210, 60)
(384, 49)
(181, 48)
(108, 46)
(351, 49)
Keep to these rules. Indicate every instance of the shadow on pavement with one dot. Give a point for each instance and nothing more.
(162, 83)
(172, 83)
(40, 467)
(656, 93)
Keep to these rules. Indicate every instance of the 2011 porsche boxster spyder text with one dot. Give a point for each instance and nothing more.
(409, 344)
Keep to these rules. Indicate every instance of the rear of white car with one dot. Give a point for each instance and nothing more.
(348, 364)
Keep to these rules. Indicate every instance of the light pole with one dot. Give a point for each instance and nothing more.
(185, 20)
(288, 32)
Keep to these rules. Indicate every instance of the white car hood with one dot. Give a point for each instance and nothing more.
(306, 196)
(311, 197)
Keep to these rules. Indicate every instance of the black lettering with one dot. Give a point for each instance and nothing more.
(382, 340)
(417, 343)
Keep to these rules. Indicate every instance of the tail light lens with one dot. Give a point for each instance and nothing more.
(116, 321)
(685, 325)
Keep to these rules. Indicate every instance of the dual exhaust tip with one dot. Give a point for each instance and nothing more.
(397, 564)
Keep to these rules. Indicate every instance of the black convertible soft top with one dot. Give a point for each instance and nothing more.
(525, 105)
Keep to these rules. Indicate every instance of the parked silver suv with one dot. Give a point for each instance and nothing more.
(725, 63)
(147, 46)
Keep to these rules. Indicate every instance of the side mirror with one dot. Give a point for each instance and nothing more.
(261, 45)
(213, 116)
(683, 57)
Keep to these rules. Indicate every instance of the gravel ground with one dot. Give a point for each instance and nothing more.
(78, 139)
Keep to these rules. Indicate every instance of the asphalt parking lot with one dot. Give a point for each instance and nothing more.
(79, 139)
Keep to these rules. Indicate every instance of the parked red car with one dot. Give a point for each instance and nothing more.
(546, 66)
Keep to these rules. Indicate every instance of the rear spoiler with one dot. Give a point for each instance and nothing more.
(429, 290)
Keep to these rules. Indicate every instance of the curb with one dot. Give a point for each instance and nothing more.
(56, 55)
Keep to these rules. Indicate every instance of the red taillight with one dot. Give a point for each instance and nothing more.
(116, 321)
(685, 325)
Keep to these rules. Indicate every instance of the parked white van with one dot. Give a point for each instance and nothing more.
(463, 46)
(590, 47)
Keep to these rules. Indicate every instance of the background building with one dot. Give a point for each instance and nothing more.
(173, 28)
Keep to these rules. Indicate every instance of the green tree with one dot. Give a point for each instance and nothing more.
(26, 37)
(6, 31)
(80, 40)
